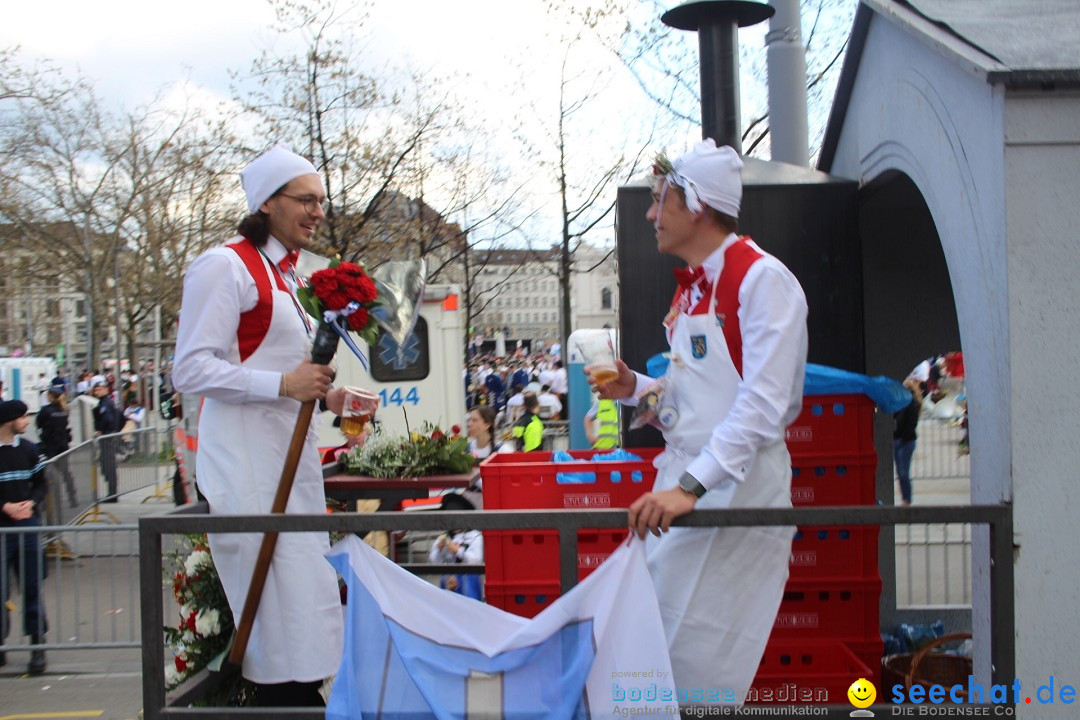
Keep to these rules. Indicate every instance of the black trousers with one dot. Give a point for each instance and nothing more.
(107, 448)
(290, 694)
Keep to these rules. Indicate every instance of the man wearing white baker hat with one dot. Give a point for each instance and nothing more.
(243, 344)
(737, 331)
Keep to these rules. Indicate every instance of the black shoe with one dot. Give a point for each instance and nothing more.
(37, 662)
(3, 659)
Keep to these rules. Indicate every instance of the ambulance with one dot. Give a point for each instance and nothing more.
(22, 379)
(422, 381)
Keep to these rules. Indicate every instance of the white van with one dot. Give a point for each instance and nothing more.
(22, 379)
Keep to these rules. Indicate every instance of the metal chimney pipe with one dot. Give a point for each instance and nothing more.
(717, 23)
(787, 85)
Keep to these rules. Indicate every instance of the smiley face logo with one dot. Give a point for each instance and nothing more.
(862, 693)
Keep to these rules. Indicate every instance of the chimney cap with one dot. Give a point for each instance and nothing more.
(692, 15)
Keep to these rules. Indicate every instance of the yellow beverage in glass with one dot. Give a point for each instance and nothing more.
(354, 425)
(602, 374)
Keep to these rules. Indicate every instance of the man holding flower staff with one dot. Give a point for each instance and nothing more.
(243, 344)
(738, 338)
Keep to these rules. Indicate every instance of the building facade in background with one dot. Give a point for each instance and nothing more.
(517, 292)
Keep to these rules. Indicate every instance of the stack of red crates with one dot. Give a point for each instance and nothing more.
(827, 632)
(522, 566)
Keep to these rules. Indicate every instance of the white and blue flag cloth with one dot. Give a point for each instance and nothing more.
(413, 650)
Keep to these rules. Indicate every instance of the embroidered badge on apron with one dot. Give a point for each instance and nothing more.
(721, 319)
(697, 346)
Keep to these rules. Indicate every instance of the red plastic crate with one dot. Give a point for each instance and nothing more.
(870, 651)
(520, 481)
(829, 609)
(831, 551)
(832, 425)
(533, 555)
(833, 480)
(524, 599)
(812, 671)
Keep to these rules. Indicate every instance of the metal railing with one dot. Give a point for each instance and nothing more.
(89, 592)
(933, 565)
(939, 452)
(89, 569)
(567, 522)
(933, 561)
(102, 469)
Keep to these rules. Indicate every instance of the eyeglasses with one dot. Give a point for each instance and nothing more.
(311, 203)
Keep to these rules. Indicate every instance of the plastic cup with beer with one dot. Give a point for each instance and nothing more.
(598, 353)
(360, 407)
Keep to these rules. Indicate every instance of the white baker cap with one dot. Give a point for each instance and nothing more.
(269, 172)
(710, 175)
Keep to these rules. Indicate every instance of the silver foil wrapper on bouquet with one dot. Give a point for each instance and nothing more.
(401, 290)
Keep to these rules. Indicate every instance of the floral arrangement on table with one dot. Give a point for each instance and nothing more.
(205, 624)
(428, 452)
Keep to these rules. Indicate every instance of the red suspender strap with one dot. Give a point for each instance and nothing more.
(737, 261)
(255, 323)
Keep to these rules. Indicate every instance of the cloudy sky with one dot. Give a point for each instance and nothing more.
(134, 49)
(499, 57)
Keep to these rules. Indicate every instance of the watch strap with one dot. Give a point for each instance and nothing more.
(690, 484)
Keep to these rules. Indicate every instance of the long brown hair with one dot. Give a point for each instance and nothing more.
(487, 416)
(60, 399)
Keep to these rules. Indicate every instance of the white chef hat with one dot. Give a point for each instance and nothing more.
(269, 172)
(710, 175)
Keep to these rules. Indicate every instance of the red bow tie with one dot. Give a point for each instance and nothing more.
(687, 277)
(289, 261)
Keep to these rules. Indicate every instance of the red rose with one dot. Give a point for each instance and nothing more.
(181, 664)
(437, 435)
(367, 291)
(336, 300)
(455, 429)
(358, 320)
(322, 281)
(191, 622)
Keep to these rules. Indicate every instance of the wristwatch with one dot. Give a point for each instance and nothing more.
(689, 484)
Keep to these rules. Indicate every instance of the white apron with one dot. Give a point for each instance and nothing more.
(719, 588)
(298, 630)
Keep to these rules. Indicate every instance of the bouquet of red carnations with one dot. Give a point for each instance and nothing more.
(341, 298)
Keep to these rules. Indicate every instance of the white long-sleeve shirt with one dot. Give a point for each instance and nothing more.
(217, 289)
(470, 549)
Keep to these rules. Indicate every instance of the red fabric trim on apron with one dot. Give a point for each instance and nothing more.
(255, 323)
(738, 258)
(737, 261)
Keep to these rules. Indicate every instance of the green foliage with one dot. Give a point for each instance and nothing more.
(428, 452)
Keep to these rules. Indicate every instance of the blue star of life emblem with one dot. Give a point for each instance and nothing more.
(399, 357)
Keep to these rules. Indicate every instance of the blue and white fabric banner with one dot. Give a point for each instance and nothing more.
(413, 650)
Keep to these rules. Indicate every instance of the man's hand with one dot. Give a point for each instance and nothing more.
(618, 389)
(308, 381)
(19, 510)
(655, 511)
(335, 400)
